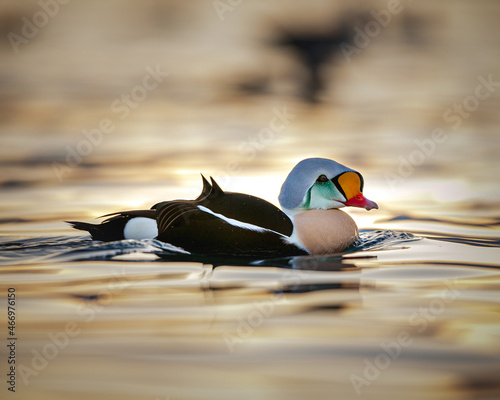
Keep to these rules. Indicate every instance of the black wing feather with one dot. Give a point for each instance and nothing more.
(182, 223)
(186, 226)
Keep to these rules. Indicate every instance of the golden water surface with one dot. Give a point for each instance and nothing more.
(118, 105)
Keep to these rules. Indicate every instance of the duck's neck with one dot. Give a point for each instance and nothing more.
(324, 231)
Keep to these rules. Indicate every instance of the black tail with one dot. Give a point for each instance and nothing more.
(105, 231)
(83, 226)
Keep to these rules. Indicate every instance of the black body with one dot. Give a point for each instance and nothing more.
(181, 223)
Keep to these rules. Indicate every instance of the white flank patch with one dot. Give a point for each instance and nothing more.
(235, 222)
(295, 240)
(140, 228)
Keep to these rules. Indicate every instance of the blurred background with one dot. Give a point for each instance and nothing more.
(360, 82)
(106, 106)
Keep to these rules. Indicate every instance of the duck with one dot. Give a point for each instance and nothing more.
(220, 223)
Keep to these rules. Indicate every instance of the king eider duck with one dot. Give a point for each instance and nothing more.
(219, 223)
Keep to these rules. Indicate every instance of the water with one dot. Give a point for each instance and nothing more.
(403, 312)
(410, 311)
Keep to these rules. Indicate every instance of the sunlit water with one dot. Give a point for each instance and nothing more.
(412, 308)
(411, 311)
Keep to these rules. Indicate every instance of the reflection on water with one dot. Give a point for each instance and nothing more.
(396, 313)
(411, 311)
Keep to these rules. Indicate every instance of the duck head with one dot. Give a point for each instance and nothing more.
(322, 184)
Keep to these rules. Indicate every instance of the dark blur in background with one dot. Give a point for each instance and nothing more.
(168, 89)
(115, 105)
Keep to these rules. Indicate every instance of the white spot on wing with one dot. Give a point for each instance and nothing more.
(235, 222)
(140, 228)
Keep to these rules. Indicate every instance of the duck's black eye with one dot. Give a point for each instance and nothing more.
(322, 179)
